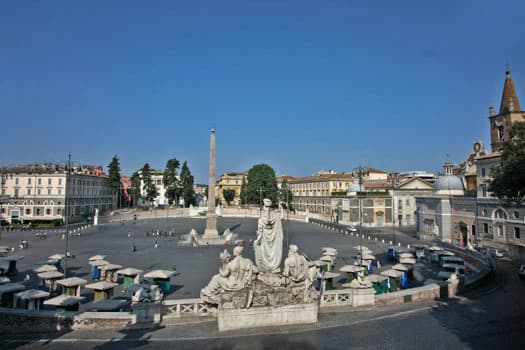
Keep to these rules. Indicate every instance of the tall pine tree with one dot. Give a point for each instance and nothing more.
(114, 179)
(149, 188)
(171, 180)
(186, 181)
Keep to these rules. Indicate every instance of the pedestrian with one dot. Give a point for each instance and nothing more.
(378, 264)
(156, 244)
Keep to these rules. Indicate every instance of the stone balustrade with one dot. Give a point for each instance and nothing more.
(175, 308)
(336, 297)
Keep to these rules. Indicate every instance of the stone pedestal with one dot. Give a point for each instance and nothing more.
(363, 297)
(211, 227)
(147, 314)
(266, 316)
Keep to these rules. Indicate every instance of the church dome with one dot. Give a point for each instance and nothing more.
(449, 184)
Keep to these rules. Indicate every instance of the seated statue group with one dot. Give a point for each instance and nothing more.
(241, 284)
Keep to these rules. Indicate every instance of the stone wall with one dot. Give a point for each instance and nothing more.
(419, 294)
(23, 321)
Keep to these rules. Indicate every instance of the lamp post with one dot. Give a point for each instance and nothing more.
(393, 177)
(66, 209)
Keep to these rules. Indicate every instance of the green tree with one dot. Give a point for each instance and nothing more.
(244, 191)
(285, 194)
(135, 187)
(261, 183)
(186, 185)
(150, 190)
(228, 194)
(509, 179)
(171, 180)
(114, 178)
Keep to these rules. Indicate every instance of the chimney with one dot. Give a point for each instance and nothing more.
(491, 111)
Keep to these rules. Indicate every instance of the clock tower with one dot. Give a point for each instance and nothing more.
(509, 112)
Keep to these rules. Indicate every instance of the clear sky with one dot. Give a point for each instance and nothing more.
(300, 85)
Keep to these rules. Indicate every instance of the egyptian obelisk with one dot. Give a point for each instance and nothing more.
(211, 217)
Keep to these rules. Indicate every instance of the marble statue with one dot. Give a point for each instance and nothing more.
(269, 243)
(295, 266)
(147, 293)
(300, 274)
(234, 274)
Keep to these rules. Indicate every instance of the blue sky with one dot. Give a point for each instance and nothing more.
(300, 85)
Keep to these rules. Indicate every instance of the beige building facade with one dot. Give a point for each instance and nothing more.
(38, 193)
(231, 181)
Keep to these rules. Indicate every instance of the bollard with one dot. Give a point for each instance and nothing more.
(408, 246)
(383, 241)
(399, 244)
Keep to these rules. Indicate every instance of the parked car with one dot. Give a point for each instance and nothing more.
(496, 253)
(522, 272)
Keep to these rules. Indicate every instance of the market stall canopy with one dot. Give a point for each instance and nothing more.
(376, 278)
(352, 268)
(97, 257)
(102, 285)
(44, 268)
(63, 300)
(11, 287)
(31, 294)
(72, 282)
(129, 271)
(400, 267)
(98, 263)
(159, 274)
(57, 257)
(50, 275)
(392, 273)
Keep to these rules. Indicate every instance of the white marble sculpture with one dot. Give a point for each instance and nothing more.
(234, 274)
(298, 271)
(269, 243)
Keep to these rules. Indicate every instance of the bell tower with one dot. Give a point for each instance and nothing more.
(509, 112)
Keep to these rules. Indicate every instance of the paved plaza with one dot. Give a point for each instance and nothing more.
(195, 265)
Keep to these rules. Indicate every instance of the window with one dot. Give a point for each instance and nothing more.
(37, 211)
(58, 211)
(39, 191)
(48, 191)
(60, 181)
(407, 202)
(485, 228)
(499, 230)
(473, 230)
(516, 215)
(48, 211)
(483, 172)
(29, 181)
(484, 212)
(49, 181)
(483, 190)
(16, 192)
(517, 232)
(39, 181)
(59, 191)
(28, 191)
(3, 191)
(28, 211)
(16, 181)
